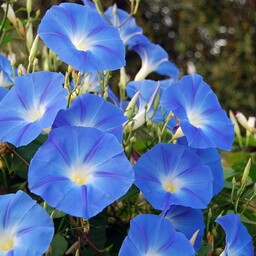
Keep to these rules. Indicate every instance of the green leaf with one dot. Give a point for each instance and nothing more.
(28, 151)
(97, 233)
(205, 248)
(235, 157)
(18, 167)
(133, 190)
(58, 246)
(54, 213)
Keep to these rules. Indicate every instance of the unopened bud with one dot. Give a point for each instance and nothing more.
(156, 101)
(129, 110)
(12, 58)
(192, 240)
(149, 122)
(10, 13)
(21, 70)
(242, 120)
(251, 123)
(133, 139)
(235, 123)
(21, 28)
(179, 133)
(246, 171)
(29, 36)
(123, 78)
(29, 7)
(33, 50)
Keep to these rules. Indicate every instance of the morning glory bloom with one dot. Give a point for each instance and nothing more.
(130, 33)
(25, 227)
(89, 110)
(187, 221)
(202, 120)
(6, 72)
(152, 235)
(80, 170)
(82, 38)
(30, 106)
(238, 240)
(170, 174)
(154, 59)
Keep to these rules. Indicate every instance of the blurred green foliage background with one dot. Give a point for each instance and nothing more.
(216, 39)
(213, 38)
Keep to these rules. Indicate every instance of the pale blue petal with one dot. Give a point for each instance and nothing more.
(82, 38)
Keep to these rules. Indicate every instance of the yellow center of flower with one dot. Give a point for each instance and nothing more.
(6, 243)
(169, 186)
(79, 178)
(153, 253)
(81, 174)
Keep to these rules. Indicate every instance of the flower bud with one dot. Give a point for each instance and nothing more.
(242, 120)
(33, 50)
(235, 123)
(29, 7)
(129, 110)
(246, 171)
(10, 13)
(251, 123)
(179, 133)
(192, 240)
(123, 78)
(29, 36)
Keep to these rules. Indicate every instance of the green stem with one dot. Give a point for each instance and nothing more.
(4, 18)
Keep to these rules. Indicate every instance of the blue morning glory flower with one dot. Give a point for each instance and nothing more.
(25, 227)
(89, 110)
(202, 120)
(238, 240)
(31, 105)
(170, 174)
(80, 163)
(130, 33)
(82, 38)
(187, 221)
(153, 235)
(154, 59)
(6, 72)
